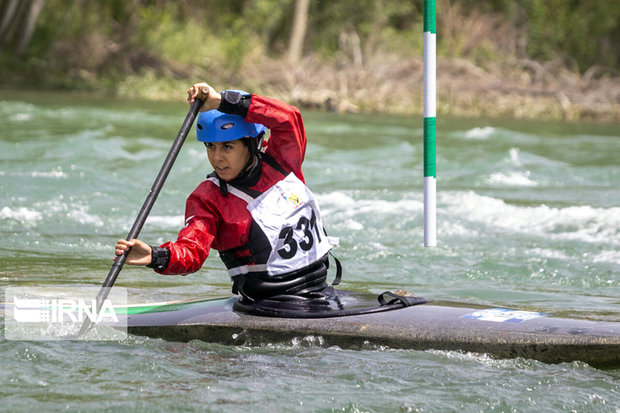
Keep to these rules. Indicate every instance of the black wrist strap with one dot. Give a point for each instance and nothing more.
(235, 102)
(161, 258)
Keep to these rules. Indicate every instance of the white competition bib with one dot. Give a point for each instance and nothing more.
(289, 216)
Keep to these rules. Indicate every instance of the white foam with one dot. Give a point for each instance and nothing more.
(335, 198)
(80, 214)
(50, 174)
(480, 358)
(351, 214)
(480, 133)
(343, 204)
(584, 223)
(58, 210)
(352, 225)
(453, 228)
(58, 174)
(511, 179)
(514, 156)
(548, 253)
(21, 117)
(195, 153)
(607, 256)
(518, 159)
(21, 214)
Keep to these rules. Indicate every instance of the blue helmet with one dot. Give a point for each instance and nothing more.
(215, 126)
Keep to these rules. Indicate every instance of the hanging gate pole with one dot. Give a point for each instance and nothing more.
(430, 122)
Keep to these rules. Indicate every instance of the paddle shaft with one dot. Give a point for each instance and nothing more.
(147, 206)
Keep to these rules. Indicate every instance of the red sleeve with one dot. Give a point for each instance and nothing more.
(192, 246)
(287, 141)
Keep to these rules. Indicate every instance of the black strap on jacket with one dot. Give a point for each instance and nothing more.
(269, 160)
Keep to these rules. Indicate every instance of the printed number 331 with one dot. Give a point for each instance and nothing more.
(308, 226)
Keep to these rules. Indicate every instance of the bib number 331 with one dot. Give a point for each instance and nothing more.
(302, 235)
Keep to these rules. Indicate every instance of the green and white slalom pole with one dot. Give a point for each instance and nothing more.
(430, 123)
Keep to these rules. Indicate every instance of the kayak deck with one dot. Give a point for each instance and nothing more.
(497, 332)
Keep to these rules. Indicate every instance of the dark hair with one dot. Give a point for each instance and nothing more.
(253, 144)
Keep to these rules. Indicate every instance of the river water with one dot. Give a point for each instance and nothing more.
(528, 218)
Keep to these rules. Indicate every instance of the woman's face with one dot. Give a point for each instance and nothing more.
(228, 158)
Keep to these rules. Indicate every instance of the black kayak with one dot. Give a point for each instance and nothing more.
(357, 321)
(499, 332)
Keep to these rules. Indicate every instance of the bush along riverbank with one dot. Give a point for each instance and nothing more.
(536, 60)
(520, 89)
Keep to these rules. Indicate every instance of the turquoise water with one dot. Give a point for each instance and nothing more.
(528, 218)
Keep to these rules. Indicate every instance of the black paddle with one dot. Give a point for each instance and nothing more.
(146, 209)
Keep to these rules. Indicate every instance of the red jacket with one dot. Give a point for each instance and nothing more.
(223, 222)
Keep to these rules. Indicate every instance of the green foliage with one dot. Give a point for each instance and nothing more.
(584, 31)
(81, 42)
(218, 36)
(161, 30)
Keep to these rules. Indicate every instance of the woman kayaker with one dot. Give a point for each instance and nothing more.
(254, 208)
